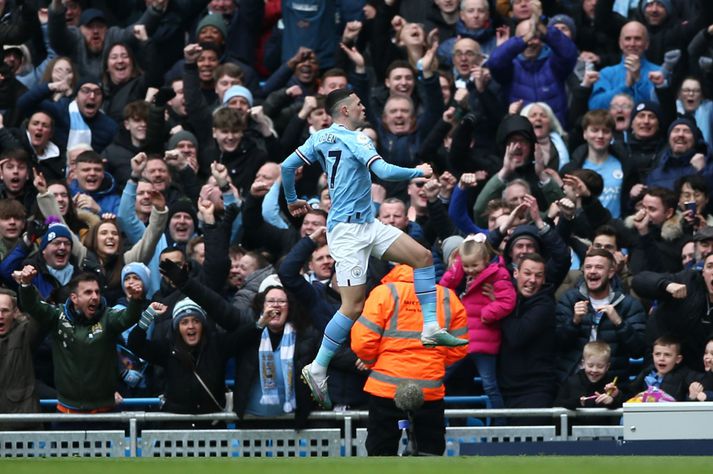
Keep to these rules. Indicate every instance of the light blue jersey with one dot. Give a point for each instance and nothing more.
(345, 156)
(613, 177)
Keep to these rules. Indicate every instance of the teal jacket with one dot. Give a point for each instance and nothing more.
(84, 351)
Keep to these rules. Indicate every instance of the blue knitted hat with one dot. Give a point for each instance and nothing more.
(187, 307)
(138, 269)
(55, 231)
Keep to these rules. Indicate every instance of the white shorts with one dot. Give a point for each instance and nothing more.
(352, 244)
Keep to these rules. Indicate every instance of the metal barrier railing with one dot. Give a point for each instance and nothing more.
(345, 436)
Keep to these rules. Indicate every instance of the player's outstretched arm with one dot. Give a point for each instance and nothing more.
(390, 172)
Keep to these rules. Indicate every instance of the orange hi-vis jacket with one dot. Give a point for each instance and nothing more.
(387, 337)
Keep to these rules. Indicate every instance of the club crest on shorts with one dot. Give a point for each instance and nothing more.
(357, 272)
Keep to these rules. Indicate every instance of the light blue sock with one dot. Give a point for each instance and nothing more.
(424, 281)
(335, 334)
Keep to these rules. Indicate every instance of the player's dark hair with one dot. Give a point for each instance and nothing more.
(334, 99)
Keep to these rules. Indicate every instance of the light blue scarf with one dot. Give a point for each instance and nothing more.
(268, 376)
(63, 275)
(79, 131)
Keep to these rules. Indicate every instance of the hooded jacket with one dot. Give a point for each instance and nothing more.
(387, 337)
(550, 245)
(517, 124)
(626, 340)
(483, 314)
(83, 350)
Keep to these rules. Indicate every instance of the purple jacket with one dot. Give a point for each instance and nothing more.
(539, 80)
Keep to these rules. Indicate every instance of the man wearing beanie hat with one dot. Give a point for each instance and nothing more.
(449, 246)
(538, 238)
(182, 222)
(686, 154)
(238, 92)
(54, 262)
(565, 24)
(212, 29)
(184, 142)
(645, 140)
(671, 28)
(516, 131)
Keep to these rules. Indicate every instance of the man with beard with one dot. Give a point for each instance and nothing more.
(84, 334)
(348, 156)
(685, 300)
(686, 154)
(596, 312)
(658, 233)
(89, 124)
(87, 44)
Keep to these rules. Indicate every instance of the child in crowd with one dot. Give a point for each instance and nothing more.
(703, 390)
(588, 386)
(666, 373)
(489, 296)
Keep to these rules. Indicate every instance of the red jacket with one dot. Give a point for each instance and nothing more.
(387, 337)
(484, 315)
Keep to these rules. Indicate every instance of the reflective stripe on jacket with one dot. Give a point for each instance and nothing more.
(387, 337)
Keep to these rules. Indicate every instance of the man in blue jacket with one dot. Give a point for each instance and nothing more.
(631, 75)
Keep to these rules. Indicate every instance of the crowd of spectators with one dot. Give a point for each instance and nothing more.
(146, 248)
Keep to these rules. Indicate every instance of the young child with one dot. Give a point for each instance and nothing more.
(703, 390)
(489, 297)
(666, 373)
(588, 386)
